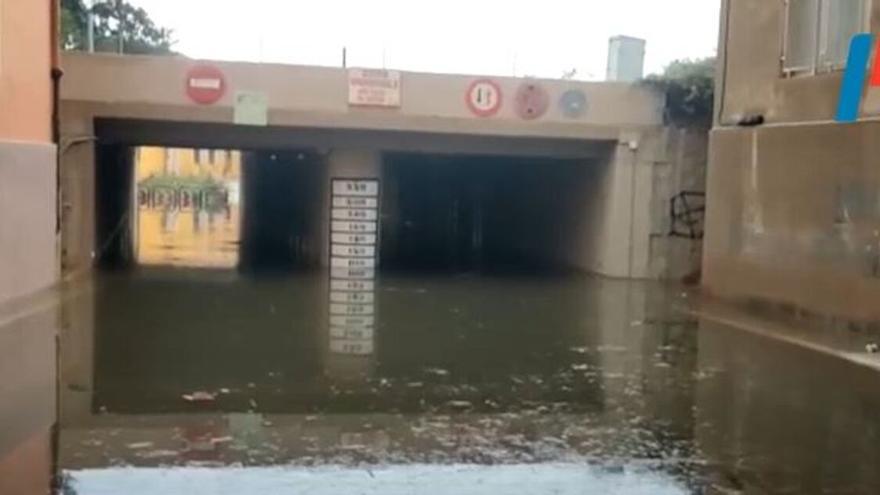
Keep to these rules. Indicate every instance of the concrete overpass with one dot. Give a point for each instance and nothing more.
(590, 197)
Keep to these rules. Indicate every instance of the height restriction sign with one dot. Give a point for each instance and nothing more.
(484, 97)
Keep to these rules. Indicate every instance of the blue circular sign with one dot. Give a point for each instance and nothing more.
(573, 103)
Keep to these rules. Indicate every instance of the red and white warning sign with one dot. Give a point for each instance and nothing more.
(484, 97)
(205, 84)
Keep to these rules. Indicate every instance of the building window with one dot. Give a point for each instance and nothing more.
(218, 157)
(818, 32)
(203, 156)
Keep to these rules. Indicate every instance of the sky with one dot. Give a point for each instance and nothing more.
(544, 38)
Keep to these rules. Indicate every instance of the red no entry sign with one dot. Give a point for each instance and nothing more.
(205, 84)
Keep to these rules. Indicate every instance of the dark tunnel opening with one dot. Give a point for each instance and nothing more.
(282, 211)
(440, 213)
(478, 213)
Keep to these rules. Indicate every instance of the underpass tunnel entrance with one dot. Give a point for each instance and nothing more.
(282, 227)
(207, 208)
(492, 213)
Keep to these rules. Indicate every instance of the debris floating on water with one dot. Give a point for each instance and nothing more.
(199, 396)
(437, 371)
(140, 445)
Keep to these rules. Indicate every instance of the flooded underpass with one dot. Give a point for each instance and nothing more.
(231, 346)
(191, 381)
(517, 269)
(314, 311)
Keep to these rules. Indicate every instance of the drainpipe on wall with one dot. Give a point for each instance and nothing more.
(55, 74)
(721, 64)
(631, 146)
(55, 68)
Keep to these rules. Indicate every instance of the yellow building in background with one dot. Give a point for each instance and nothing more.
(174, 228)
(221, 165)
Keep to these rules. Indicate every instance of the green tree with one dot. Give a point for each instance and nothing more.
(689, 86)
(140, 35)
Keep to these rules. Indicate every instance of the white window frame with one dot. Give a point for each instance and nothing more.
(821, 35)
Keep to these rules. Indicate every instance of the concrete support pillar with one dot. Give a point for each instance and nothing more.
(352, 305)
(623, 220)
(346, 164)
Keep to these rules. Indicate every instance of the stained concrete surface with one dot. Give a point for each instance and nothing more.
(28, 331)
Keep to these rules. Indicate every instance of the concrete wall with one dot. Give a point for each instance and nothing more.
(610, 230)
(613, 206)
(683, 169)
(794, 205)
(27, 159)
(317, 97)
(27, 218)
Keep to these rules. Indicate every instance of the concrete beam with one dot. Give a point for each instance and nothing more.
(207, 135)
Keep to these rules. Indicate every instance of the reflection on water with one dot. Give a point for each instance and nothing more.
(27, 396)
(599, 385)
(188, 210)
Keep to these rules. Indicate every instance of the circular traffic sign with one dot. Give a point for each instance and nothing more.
(573, 103)
(484, 97)
(531, 101)
(205, 84)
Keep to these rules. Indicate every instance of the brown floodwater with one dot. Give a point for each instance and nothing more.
(199, 381)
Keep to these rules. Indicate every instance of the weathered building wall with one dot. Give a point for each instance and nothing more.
(27, 157)
(794, 216)
(28, 261)
(794, 204)
(676, 252)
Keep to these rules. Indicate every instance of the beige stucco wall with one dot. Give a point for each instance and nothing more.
(25, 85)
(794, 204)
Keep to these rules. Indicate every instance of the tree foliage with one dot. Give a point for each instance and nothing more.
(140, 35)
(689, 86)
